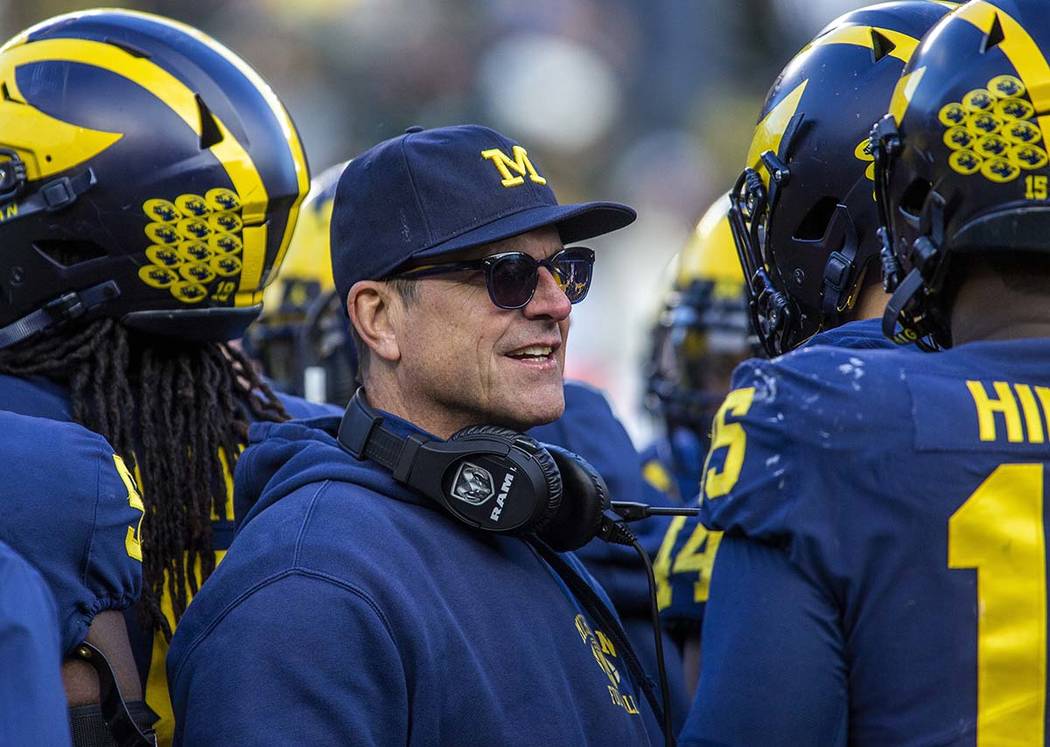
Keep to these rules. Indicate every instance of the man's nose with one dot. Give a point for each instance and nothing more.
(549, 300)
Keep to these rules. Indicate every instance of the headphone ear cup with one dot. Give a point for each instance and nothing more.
(585, 498)
(542, 458)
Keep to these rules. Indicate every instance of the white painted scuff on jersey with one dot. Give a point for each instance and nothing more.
(765, 386)
(854, 369)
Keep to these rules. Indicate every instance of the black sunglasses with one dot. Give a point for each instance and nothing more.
(511, 277)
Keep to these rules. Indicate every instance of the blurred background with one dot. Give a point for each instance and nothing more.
(648, 102)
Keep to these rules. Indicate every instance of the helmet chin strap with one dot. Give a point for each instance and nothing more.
(64, 308)
(913, 302)
(48, 197)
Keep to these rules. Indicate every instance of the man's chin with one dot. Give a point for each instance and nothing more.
(540, 408)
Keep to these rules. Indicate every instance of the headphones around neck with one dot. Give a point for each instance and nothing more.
(491, 478)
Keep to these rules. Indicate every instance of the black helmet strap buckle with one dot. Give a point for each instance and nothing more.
(50, 196)
(59, 310)
(840, 271)
(12, 175)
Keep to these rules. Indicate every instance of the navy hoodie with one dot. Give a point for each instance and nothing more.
(591, 429)
(350, 611)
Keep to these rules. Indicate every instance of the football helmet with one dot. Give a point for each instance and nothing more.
(301, 339)
(146, 173)
(961, 159)
(702, 331)
(802, 211)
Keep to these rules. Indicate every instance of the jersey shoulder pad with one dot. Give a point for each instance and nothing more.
(792, 429)
(72, 508)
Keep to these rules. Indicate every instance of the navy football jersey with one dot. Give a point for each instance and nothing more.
(71, 508)
(32, 701)
(882, 578)
(687, 555)
(45, 399)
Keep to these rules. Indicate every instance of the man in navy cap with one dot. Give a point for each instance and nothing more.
(396, 581)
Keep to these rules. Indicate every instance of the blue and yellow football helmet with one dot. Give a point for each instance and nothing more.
(146, 173)
(961, 158)
(702, 331)
(301, 339)
(803, 212)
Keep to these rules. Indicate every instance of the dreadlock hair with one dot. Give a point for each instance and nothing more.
(178, 413)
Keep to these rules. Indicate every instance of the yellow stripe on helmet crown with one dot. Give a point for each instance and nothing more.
(179, 98)
(770, 131)
(903, 93)
(295, 147)
(861, 36)
(1022, 52)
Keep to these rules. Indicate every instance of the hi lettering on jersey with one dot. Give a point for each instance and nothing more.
(1018, 411)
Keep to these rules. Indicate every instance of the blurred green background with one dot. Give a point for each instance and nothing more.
(649, 102)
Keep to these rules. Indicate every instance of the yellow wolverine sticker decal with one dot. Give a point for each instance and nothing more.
(990, 131)
(196, 241)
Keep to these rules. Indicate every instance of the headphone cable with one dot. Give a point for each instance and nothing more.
(618, 533)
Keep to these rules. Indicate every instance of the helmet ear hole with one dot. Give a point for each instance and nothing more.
(913, 199)
(816, 221)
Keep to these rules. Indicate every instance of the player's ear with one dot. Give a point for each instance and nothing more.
(374, 309)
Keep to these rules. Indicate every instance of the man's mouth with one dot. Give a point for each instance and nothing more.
(532, 353)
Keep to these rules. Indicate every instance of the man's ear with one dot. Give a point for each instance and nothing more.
(374, 310)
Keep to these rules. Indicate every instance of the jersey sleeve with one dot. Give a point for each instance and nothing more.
(773, 670)
(73, 510)
(785, 452)
(244, 680)
(32, 701)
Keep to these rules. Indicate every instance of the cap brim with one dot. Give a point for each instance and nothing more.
(574, 223)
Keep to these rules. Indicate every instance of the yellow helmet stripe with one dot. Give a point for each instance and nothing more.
(1020, 49)
(295, 147)
(903, 93)
(180, 99)
(770, 130)
(860, 36)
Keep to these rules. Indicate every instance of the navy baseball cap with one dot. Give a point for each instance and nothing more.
(432, 192)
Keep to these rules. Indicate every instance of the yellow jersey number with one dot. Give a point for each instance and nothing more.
(698, 553)
(999, 531)
(696, 556)
(133, 540)
(731, 437)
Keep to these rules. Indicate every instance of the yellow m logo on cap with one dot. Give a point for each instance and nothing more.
(520, 164)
